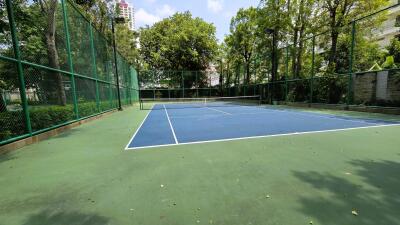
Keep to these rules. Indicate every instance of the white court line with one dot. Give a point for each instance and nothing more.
(326, 116)
(220, 111)
(265, 136)
(140, 126)
(216, 115)
(170, 125)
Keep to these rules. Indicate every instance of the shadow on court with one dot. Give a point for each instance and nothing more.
(5, 157)
(372, 190)
(47, 217)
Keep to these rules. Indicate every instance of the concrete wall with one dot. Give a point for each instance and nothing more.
(377, 87)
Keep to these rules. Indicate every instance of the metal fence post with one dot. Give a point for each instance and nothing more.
(94, 66)
(110, 91)
(116, 64)
(312, 70)
(20, 70)
(351, 58)
(69, 58)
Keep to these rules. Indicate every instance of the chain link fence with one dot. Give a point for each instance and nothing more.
(55, 68)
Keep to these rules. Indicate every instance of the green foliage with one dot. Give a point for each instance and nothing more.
(394, 49)
(44, 116)
(242, 39)
(330, 89)
(389, 63)
(127, 43)
(11, 124)
(179, 42)
(48, 116)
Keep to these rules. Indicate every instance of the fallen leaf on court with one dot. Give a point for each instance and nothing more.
(354, 212)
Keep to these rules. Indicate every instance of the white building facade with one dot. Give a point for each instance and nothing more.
(127, 11)
(390, 28)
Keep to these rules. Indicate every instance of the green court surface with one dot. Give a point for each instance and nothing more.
(85, 177)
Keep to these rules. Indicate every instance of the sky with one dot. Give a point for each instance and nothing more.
(218, 12)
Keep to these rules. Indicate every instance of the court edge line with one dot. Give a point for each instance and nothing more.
(137, 130)
(220, 111)
(170, 125)
(264, 136)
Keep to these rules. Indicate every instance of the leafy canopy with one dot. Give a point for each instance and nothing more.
(179, 42)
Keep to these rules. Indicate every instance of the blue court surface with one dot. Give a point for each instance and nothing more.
(168, 125)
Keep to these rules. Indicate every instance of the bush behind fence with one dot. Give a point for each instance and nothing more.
(55, 68)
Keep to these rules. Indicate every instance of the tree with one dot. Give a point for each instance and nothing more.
(243, 36)
(179, 42)
(340, 13)
(127, 43)
(273, 15)
(48, 10)
(302, 15)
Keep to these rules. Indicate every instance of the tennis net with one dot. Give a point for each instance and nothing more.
(180, 103)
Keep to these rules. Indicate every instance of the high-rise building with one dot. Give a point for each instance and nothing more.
(390, 28)
(127, 11)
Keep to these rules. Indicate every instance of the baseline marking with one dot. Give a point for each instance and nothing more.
(137, 131)
(170, 125)
(220, 111)
(264, 136)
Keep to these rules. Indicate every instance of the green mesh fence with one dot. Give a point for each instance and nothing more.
(55, 68)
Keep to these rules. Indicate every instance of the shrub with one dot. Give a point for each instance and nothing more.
(12, 123)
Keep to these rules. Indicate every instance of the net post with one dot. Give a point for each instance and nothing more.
(94, 67)
(17, 54)
(69, 58)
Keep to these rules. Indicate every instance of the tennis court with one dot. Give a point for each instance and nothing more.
(192, 121)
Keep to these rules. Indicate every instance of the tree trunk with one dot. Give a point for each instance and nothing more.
(3, 106)
(228, 77)
(52, 52)
(247, 72)
(237, 78)
(333, 50)
(274, 71)
(300, 52)
(294, 52)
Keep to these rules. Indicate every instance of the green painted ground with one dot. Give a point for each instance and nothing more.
(84, 177)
